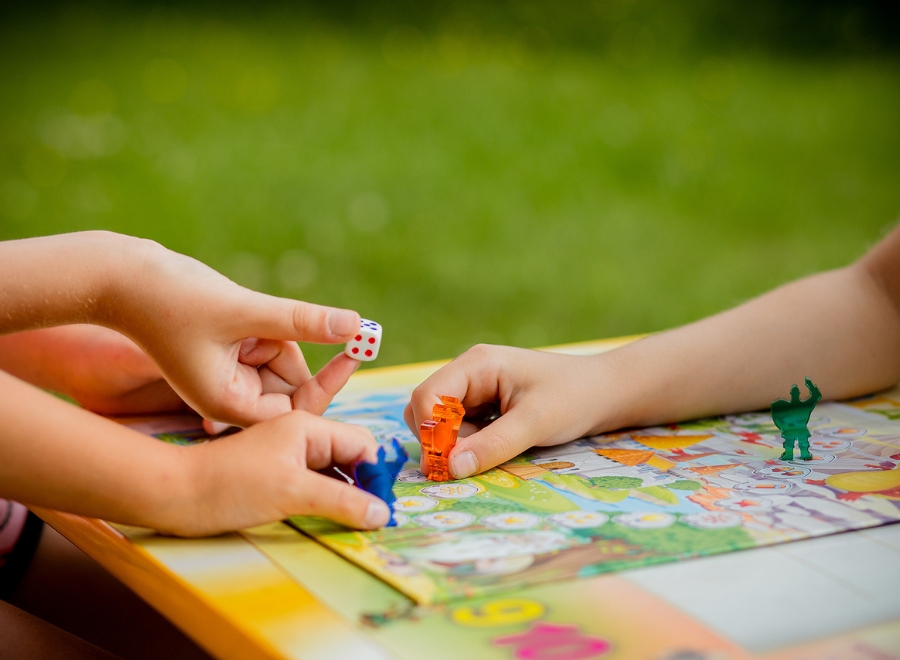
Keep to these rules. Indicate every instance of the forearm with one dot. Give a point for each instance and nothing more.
(101, 369)
(56, 455)
(840, 328)
(56, 280)
(39, 356)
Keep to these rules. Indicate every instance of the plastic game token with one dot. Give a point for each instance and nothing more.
(378, 478)
(792, 416)
(438, 436)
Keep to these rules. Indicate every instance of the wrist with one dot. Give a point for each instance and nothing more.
(167, 504)
(124, 280)
(613, 384)
(189, 509)
(106, 256)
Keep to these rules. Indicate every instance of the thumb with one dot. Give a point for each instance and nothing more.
(316, 393)
(341, 502)
(499, 441)
(271, 317)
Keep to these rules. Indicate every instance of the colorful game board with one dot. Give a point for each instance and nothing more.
(829, 597)
(621, 500)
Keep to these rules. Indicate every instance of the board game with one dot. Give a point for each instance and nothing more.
(829, 597)
(619, 501)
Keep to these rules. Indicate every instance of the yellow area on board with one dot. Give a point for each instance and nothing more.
(660, 463)
(870, 481)
(670, 442)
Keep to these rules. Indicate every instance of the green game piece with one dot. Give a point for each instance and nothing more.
(791, 417)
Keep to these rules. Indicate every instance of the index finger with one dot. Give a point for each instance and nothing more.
(271, 317)
(329, 442)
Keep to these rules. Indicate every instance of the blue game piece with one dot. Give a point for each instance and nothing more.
(378, 478)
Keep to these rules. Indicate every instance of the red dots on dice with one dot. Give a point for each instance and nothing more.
(365, 344)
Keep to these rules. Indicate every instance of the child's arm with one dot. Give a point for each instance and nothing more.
(841, 328)
(228, 352)
(101, 369)
(56, 455)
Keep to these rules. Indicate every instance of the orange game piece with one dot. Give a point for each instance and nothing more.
(439, 437)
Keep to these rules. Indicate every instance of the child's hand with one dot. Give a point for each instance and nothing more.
(542, 399)
(56, 455)
(267, 473)
(228, 351)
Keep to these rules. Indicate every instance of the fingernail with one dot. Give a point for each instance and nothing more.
(215, 428)
(248, 345)
(377, 515)
(342, 322)
(463, 464)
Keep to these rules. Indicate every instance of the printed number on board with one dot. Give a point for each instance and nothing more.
(547, 641)
(506, 612)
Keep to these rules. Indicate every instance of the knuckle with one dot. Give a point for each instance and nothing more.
(482, 354)
(423, 397)
(298, 317)
(306, 318)
(345, 502)
(363, 433)
(501, 448)
(480, 350)
(417, 394)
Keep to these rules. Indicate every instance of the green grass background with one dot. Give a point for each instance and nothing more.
(510, 173)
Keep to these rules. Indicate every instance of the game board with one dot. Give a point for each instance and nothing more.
(621, 500)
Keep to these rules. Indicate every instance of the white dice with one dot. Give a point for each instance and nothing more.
(364, 346)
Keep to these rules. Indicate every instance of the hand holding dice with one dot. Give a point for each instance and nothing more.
(364, 346)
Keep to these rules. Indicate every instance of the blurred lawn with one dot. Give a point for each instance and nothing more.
(456, 180)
